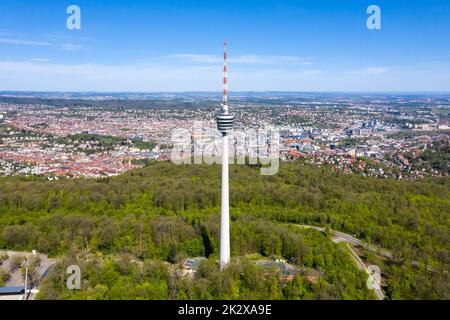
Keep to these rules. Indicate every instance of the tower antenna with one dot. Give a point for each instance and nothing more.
(225, 78)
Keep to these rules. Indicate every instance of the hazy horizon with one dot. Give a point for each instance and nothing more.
(230, 92)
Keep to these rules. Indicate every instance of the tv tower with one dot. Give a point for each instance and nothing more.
(225, 125)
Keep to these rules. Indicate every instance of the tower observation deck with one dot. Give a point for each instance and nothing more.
(225, 120)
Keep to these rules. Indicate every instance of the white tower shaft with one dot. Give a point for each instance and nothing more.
(225, 210)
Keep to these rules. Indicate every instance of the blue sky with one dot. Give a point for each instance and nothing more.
(314, 45)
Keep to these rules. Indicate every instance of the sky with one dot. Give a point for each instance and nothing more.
(274, 45)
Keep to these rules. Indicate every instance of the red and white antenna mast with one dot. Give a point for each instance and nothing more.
(225, 78)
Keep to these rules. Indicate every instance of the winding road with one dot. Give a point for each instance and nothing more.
(348, 239)
(343, 237)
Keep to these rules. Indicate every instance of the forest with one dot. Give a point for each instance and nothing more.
(131, 232)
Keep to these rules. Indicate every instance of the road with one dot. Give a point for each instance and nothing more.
(379, 251)
(348, 239)
(343, 237)
(361, 265)
(340, 236)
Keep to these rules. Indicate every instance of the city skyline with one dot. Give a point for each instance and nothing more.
(291, 46)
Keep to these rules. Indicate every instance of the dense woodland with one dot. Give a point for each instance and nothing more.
(123, 277)
(130, 232)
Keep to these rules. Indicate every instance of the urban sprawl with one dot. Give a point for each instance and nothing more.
(403, 137)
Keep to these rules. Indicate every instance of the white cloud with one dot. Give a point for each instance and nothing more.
(259, 59)
(38, 74)
(201, 58)
(68, 46)
(51, 76)
(25, 42)
(33, 75)
(40, 60)
(376, 70)
(370, 71)
(242, 59)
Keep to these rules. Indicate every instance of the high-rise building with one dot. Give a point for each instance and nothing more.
(225, 125)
